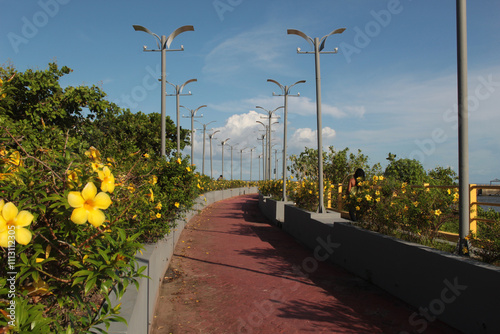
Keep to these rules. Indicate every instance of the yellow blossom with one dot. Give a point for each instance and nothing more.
(177, 204)
(375, 178)
(448, 191)
(381, 178)
(108, 180)
(358, 199)
(377, 199)
(13, 220)
(154, 180)
(437, 212)
(415, 203)
(158, 206)
(93, 154)
(368, 198)
(158, 215)
(151, 195)
(179, 161)
(88, 205)
(358, 208)
(146, 156)
(188, 169)
(377, 193)
(96, 166)
(131, 189)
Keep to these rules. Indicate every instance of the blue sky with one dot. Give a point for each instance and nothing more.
(391, 87)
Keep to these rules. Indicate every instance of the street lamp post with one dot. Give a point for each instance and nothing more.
(251, 151)
(203, 156)
(269, 117)
(210, 136)
(285, 91)
(223, 143)
(192, 115)
(463, 132)
(163, 44)
(178, 92)
(232, 147)
(263, 138)
(241, 163)
(315, 43)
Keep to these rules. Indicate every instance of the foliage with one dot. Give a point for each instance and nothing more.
(409, 171)
(80, 214)
(486, 241)
(337, 165)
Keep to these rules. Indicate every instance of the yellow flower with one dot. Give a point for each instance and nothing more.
(131, 189)
(415, 203)
(188, 169)
(437, 212)
(93, 154)
(88, 205)
(375, 178)
(158, 206)
(426, 186)
(368, 198)
(177, 204)
(96, 166)
(291, 177)
(154, 180)
(358, 208)
(151, 195)
(13, 220)
(158, 215)
(455, 197)
(108, 180)
(179, 161)
(377, 199)
(448, 191)
(146, 156)
(358, 199)
(381, 178)
(377, 193)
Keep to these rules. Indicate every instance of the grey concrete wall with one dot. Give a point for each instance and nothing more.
(459, 291)
(137, 306)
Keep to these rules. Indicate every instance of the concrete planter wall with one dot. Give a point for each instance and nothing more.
(461, 292)
(138, 305)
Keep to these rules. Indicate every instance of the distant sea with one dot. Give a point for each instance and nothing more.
(489, 199)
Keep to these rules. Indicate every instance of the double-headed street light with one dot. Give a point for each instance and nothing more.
(223, 143)
(163, 44)
(178, 92)
(203, 157)
(318, 45)
(269, 117)
(285, 91)
(192, 115)
(211, 136)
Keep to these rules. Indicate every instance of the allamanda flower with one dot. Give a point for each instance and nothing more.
(108, 180)
(12, 219)
(88, 205)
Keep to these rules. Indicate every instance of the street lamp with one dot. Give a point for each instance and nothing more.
(203, 159)
(223, 143)
(263, 138)
(269, 116)
(315, 43)
(285, 91)
(178, 92)
(232, 147)
(210, 136)
(241, 163)
(192, 116)
(251, 151)
(163, 44)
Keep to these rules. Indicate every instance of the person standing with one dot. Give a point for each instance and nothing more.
(352, 189)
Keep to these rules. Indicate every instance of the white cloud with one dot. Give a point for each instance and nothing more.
(307, 137)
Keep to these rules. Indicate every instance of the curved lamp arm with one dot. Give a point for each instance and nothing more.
(323, 39)
(184, 84)
(146, 30)
(176, 33)
(301, 34)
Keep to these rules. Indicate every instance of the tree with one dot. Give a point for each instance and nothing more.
(410, 171)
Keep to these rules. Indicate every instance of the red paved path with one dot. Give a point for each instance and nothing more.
(233, 272)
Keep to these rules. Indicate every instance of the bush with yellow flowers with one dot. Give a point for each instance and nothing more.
(486, 241)
(60, 217)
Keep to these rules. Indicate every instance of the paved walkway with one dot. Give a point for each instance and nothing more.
(233, 272)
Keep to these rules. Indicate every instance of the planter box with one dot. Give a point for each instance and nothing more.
(138, 306)
(458, 291)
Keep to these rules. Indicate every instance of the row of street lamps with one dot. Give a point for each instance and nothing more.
(163, 45)
(318, 45)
